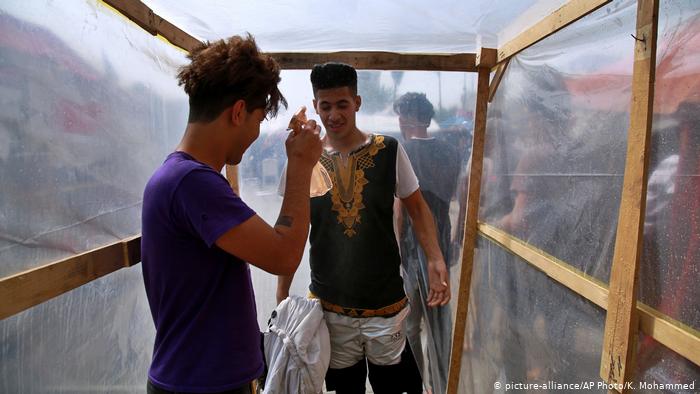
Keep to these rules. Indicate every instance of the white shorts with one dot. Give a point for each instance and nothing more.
(380, 339)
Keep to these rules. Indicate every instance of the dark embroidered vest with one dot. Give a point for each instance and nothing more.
(354, 256)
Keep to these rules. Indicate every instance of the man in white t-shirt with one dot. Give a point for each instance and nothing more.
(354, 256)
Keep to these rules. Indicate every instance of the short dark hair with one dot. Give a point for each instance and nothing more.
(333, 75)
(225, 71)
(416, 105)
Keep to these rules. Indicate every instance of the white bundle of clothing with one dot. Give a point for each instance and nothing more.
(297, 347)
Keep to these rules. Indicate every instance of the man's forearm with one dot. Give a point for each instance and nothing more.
(293, 220)
(426, 232)
(284, 282)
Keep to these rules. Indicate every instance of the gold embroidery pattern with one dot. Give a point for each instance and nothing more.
(349, 181)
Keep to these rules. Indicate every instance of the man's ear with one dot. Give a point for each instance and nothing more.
(315, 109)
(237, 110)
(358, 103)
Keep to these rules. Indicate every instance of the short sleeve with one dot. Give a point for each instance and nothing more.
(406, 180)
(205, 203)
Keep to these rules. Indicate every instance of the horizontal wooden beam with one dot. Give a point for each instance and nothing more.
(27, 289)
(582, 284)
(465, 62)
(673, 334)
(557, 20)
(144, 16)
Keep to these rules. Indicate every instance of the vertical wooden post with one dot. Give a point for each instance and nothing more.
(485, 60)
(621, 322)
(232, 176)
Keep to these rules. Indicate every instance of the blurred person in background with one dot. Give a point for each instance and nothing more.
(436, 164)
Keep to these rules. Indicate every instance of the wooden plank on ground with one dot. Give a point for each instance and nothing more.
(673, 334)
(557, 20)
(32, 287)
(470, 222)
(621, 324)
(379, 60)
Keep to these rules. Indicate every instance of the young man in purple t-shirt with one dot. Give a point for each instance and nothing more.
(198, 236)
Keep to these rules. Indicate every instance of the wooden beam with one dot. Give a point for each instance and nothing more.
(232, 176)
(582, 284)
(673, 334)
(144, 16)
(27, 289)
(500, 71)
(557, 20)
(379, 60)
(621, 324)
(470, 222)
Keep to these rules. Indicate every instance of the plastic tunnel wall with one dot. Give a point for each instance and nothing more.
(90, 107)
(553, 170)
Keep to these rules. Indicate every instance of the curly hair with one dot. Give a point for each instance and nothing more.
(333, 75)
(225, 71)
(415, 105)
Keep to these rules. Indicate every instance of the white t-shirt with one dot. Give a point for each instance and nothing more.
(406, 180)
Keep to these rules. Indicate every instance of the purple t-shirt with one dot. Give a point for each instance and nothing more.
(201, 298)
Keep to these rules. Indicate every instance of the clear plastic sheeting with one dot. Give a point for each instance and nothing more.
(658, 365)
(96, 338)
(523, 327)
(555, 151)
(80, 132)
(452, 96)
(403, 26)
(89, 108)
(670, 267)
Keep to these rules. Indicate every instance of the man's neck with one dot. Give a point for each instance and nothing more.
(347, 144)
(197, 142)
(420, 133)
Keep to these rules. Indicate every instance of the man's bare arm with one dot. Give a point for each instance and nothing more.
(426, 232)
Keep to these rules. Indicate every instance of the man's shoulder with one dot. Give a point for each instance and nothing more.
(171, 173)
(386, 140)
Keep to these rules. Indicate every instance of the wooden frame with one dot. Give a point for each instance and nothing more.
(464, 62)
(557, 20)
(27, 289)
(673, 334)
(485, 61)
(232, 177)
(619, 340)
(24, 290)
(497, 77)
(144, 16)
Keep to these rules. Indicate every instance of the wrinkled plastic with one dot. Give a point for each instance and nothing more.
(84, 123)
(406, 26)
(670, 267)
(89, 108)
(525, 328)
(554, 157)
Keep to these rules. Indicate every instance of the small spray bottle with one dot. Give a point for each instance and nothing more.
(320, 179)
